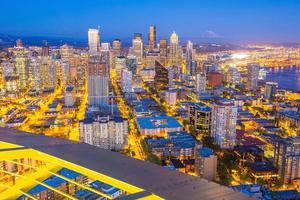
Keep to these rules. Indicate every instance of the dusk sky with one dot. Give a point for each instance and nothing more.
(231, 20)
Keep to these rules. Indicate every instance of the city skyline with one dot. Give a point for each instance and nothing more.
(150, 100)
(257, 21)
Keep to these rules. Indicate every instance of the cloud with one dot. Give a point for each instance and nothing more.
(211, 34)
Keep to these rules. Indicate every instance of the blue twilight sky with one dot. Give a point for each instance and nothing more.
(230, 20)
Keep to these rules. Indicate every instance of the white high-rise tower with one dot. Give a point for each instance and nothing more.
(174, 49)
(189, 56)
(223, 118)
(94, 41)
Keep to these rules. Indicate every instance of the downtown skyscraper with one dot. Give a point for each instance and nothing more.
(189, 57)
(174, 49)
(94, 41)
(137, 47)
(151, 38)
(163, 50)
(98, 82)
(223, 118)
(252, 76)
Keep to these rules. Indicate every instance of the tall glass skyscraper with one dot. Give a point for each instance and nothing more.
(174, 49)
(151, 38)
(98, 82)
(94, 41)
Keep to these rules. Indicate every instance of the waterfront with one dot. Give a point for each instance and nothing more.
(286, 77)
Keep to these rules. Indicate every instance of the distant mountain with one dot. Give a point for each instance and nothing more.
(9, 40)
(6, 39)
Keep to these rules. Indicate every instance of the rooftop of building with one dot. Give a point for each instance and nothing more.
(152, 178)
(286, 194)
(262, 167)
(263, 121)
(245, 139)
(180, 139)
(54, 181)
(54, 104)
(69, 88)
(206, 152)
(254, 191)
(157, 122)
(104, 119)
(271, 136)
(242, 113)
(110, 111)
(200, 106)
(249, 149)
(291, 114)
(11, 78)
(14, 120)
(141, 108)
(224, 102)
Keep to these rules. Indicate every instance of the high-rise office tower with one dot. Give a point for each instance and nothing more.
(163, 50)
(94, 41)
(115, 51)
(151, 57)
(116, 46)
(19, 43)
(287, 158)
(65, 71)
(12, 86)
(120, 64)
(106, 132)
(253, 72)
(270, 90)
(131, 64)
(262, 74)
(137, 47)
(163, 78)
(151, 38)
(137, 36)
(189, 56)
(106, 55)
(98, 82)
(7, 69)
(37, 83)
(214, 79)
(81, 71)
(74, 63)
(171, 97)
(200, 83)
(209, 67)
(45, 49)
(194, 65)
(22, 69)
(233, 76)
(223, 130)
(105, 46)
(66, 51)
(70, 96)
(174, 49)
(126, 81)
(48, 70)
(199, 115)
(206, 163)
